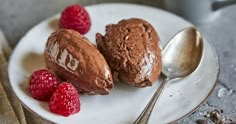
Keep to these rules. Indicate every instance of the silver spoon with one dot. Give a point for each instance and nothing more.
(180, 58)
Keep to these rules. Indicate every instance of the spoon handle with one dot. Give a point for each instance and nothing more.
(146, 113)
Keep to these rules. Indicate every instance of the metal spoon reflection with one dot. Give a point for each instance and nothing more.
(180, 58)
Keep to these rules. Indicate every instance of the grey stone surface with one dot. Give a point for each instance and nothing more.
(18, 16)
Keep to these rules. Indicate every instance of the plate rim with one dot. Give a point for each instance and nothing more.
(120, 3)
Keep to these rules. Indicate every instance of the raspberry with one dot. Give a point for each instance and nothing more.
(65, 100)
(42, 83)
(75, 17)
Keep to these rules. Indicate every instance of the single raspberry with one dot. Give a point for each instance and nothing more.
(75, 17)
(42, 83)
(65, 100)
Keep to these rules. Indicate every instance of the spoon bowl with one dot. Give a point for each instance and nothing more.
(182, 54)
(180, 58)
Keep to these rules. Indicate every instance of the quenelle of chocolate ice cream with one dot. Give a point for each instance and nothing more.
(132, 51)
(74, 59)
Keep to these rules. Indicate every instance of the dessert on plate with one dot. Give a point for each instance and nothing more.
(74, 59)
(131, 49)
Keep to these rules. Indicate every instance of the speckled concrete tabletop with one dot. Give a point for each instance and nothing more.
(18, 16)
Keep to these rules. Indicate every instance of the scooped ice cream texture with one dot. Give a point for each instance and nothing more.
(132, 51)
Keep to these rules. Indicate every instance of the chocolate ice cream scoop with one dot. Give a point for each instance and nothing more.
(132, 51)
(74, 59)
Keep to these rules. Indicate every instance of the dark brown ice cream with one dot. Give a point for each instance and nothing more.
(132, 51)
(74, 59)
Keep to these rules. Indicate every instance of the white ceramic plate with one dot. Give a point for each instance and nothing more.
(124, 104)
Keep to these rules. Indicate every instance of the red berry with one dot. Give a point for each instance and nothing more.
(65, 100)
(75, 17)
(42, 83)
